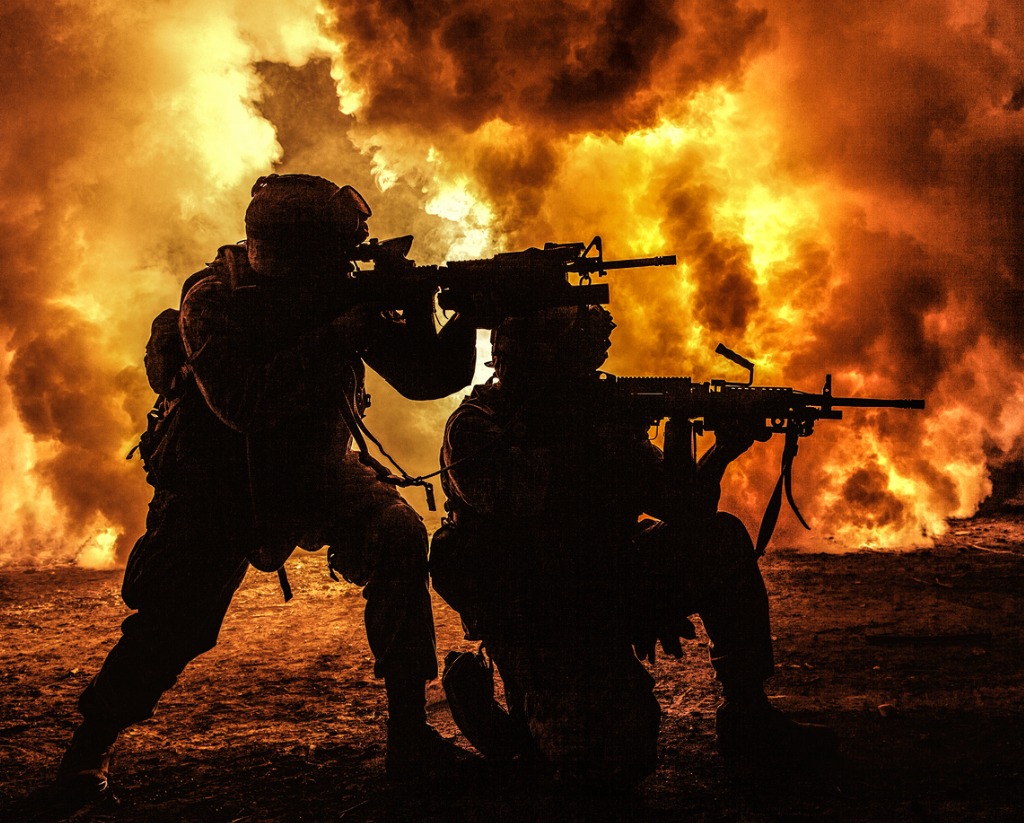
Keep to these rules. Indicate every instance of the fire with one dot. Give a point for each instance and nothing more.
(471, 221)
(839, 203)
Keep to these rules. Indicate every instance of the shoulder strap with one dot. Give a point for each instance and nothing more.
(784, 483)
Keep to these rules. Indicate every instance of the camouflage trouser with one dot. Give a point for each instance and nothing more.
(587, 703)
(574, 680)
(711, 570)
(183, 572)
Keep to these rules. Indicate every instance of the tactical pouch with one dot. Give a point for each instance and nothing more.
(178, 451)
(154, 442)
(448, 557)
(165, 352)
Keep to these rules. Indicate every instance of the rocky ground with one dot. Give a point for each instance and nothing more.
(914, 657)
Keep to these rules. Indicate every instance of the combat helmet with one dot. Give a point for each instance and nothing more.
(551, 344)
(299, 216)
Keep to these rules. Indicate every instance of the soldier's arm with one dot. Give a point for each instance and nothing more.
(694, 491)
(421, 362)
(680, 490)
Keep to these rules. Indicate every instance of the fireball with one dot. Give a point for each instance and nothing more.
(841, 185)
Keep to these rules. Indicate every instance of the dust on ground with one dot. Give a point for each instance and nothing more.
(913, 657)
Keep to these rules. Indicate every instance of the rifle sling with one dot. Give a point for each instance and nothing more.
(784, 483)
(360, 433)
(286, 589)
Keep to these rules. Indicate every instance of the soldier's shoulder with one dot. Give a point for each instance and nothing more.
(484, 403)
(199, 283)
(227, 271)
(488, 397)
(205, 305)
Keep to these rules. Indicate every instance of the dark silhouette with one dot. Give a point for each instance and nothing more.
(547, 560)
(509, 284)
(249, 454)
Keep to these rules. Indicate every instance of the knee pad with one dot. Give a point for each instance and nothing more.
(399, 524)
(720, 552)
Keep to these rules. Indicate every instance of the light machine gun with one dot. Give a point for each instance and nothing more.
(489, 290)
(700, 407)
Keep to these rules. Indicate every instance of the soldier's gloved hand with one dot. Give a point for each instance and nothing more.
(733, 437)
(472, 309)
(643, 647)
(667, 631)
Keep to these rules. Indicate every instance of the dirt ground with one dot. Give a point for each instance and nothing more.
(913, 657)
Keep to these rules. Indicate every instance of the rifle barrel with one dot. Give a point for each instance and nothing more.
(586, 264)
(876, 403)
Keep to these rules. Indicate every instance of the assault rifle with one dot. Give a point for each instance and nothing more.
(488, 290)
(701, 407)
(506, 285)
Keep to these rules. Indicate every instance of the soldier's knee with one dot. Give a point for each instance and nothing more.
(731, 538)
(401, 541)
(391, 543)
(169, 638)
(400, 525)
(723, 555)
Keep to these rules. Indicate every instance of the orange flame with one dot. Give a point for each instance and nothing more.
(842, 188)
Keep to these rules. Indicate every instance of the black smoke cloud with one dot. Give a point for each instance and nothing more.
(559, 72)
(562, 67)
(910, 106)
(725, 297)
(133, 135)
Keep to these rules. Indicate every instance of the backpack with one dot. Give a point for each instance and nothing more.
(168, 370)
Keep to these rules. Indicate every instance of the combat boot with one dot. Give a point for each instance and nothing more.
(468, 683)
(757, 730)
(415, 751)
(418, 753)
(82, 774)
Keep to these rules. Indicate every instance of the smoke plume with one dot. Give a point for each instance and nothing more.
(843, 184)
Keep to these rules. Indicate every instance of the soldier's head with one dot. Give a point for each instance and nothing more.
(551, 345)
(299, 222)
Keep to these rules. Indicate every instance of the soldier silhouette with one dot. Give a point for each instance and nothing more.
(251, 457)
(547, 560)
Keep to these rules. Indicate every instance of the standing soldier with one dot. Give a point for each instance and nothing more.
(252, 458)
(545, 560)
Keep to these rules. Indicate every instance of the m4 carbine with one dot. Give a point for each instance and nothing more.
(490, 289)
(699, 407)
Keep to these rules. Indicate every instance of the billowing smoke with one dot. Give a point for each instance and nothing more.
(130, 142)
(570, 67)
(843, 182)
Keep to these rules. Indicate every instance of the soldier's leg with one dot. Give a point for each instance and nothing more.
(587, 703)
(721, 581)
(378, 541)
(180, 578)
